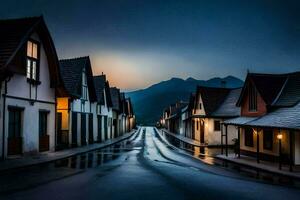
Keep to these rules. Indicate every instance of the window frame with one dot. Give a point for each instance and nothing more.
(84, 89)
(219, 125)
(32, 60)
(252, 98)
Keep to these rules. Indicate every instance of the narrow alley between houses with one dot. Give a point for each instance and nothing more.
(142, 166)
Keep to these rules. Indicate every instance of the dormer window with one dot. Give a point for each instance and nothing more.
(252, 98)
(84, 85)
(32, 60)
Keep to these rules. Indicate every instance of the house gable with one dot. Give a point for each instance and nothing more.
(13, 45)
(261, 106)
(199, 108)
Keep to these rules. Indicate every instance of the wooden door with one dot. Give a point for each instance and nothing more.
(14, 143)
(201, 131)
(99, 119)
(74, 129)
(91, 129)
(83, 129)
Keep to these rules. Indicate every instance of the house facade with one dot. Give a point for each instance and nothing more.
(210, 107)
(29, 80)
(75, 113)
(130, 117)
(116, 111)
(269, 121)
(103, 108)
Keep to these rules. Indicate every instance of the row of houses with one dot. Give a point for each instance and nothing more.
(48, 104)
(262, 118)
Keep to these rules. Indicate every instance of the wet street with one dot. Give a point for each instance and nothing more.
(142, 167)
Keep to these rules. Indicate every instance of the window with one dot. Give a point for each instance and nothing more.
(84, 85)
(98, 108)
(249, 137)
(14, 124)
(32, 60)
(43, 123)
(252, 98)
(217, 125)
(268, 139)
(200, 106)
(197, 125)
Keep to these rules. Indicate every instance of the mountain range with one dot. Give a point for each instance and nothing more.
(149, 103)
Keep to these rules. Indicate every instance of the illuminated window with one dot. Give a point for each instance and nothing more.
(32, 60)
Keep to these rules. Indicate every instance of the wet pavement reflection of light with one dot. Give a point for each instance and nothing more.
(31, 176)
(206, 155)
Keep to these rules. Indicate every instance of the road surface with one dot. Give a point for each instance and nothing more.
(142, 167)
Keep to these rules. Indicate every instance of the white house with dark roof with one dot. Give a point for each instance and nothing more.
(103, 109)
(210, 107)
(116, 108)
(75, 114)
(29, 80)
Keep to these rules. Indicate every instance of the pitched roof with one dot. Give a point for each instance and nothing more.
(228, 108)
(14, 35)
(287, 117)
(99, 83)
(71, 73)
(275, 89)
(290, 94)
(212, 98)
(115, 97)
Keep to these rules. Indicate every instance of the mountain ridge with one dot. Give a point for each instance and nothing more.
(148, 103)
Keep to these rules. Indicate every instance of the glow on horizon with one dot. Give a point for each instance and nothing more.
(123, 70)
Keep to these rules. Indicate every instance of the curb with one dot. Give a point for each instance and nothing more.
(130, 134)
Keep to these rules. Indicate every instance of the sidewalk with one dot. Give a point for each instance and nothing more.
(184, 139)
(26, 161)
(263, 165)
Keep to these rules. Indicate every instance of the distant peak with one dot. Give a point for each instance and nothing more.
(190, 79)
(176, 79)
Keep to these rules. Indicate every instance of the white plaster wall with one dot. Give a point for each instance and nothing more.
(30, 125)
(19, 87)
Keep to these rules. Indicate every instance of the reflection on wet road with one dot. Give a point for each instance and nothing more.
(141, 167)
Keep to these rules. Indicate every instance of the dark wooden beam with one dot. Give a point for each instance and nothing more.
(226, 140)
(239, 141)
(291, 134)
(257, 146)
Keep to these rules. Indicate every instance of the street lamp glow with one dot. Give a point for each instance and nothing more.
(279, 136)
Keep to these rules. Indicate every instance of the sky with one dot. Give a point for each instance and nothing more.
(137, 43)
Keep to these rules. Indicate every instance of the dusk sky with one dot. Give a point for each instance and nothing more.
(138, 43)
